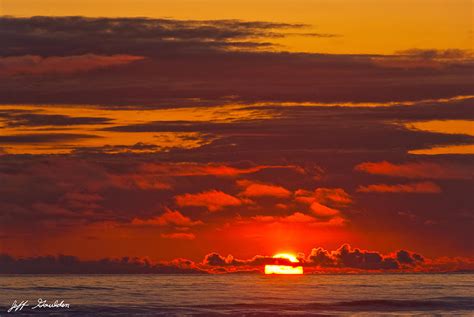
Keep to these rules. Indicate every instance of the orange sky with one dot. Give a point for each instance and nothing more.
(175, 138)
(367, 26)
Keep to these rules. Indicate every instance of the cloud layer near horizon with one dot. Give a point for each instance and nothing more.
(343, 260)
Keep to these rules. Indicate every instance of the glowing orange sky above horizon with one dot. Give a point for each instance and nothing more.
(359, 26)
(175, 154)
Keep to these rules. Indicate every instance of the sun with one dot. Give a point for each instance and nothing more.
(284, 269)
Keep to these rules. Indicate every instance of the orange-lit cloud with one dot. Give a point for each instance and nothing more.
(331, 196)
(296, 217)
(332, 220)
(321, 197)
(323, 211)
(417, 170)
(170, 217)
(213, 200)
(337, 196)
(216, 169)
(253, 189)
(179, 236)
(421, 187)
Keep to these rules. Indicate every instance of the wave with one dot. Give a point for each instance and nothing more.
(448, 305)
(56, 288)
(442, 303)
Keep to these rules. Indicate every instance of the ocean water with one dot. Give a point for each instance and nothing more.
(242, 295)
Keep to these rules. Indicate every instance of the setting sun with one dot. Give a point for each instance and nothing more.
(284, 269)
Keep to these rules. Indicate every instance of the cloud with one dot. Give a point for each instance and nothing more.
(320, 210)
(43, 138)
(335, 196)
(417, 170)
(409, 258)
(451, 54)
(37, 65)
(179, 236)
(211, 49)
(332, 220)
(321, 197)
(296, 217)
(64, 264)
(140, 181)
(215, 259)
(213, 200)
(254, 189)
(347, 257)
(16, 118)
(80, 35)
(203, 169)
(421, 187)
(425, 58)
(320, 260)
(169, 218)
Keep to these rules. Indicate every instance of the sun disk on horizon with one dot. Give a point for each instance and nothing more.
(284, 269)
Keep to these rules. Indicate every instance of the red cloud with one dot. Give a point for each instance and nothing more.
(337, 196)
(422, 187)
(37, 65)
(417, 170)
(330, 196)
(253, 189)
(323, 211)
(320, 198)
(296, 217)
(170, 217)
(213, 200)
(178, 235)
(215, 169)
(299, 217)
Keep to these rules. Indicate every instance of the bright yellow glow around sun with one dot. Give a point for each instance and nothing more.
(284, 269)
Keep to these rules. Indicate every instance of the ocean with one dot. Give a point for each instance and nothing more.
(241, 295)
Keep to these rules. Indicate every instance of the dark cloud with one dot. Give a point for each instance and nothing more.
(319, 127)
(63, 36)
(63, 264)
(453, 54)
(309, 134)
(347, 257)
(405, 257)
(208, 63)
(37, 65)
(23, 118)
(344, 257)
(215, 259)
(42, 138)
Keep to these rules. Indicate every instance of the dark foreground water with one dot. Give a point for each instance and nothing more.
(242, 295)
